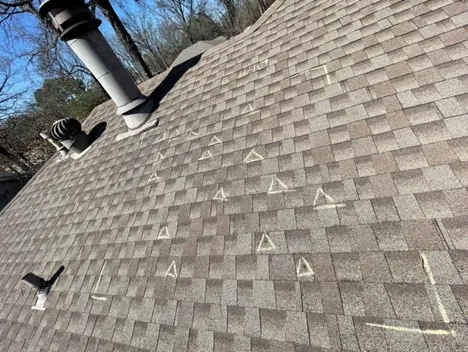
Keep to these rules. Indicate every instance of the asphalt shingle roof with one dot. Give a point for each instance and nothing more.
(305, 190)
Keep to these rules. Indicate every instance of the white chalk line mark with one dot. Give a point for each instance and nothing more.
(265, 65)
(329, 206)
(430, 275)
(251, 113)
(277, 186)
(161, 137)
(252, 157)
(413, 330)
(332, 204)
(303, 268)
(220, 195)
(164, 233)
(248, 109)
(192, 135)
(206, 155)
(153, 177)
(172, 271)
(100, 276)
(266, 244)
(214, 140)
(326, 74)
(159, 158)
(442, 310)
(99, 298)
(307, 71)
(174, 133)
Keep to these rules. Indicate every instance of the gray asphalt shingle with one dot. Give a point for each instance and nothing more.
(356, 107)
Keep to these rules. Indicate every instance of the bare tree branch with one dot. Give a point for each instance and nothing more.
(9, 96)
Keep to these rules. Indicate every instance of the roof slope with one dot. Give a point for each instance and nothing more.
(304, 191)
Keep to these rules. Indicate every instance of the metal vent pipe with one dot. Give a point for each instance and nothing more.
(78, 27)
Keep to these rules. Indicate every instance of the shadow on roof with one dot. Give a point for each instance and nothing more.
(171, 79)
(96, 132)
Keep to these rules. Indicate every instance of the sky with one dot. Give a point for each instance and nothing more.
(26, 77)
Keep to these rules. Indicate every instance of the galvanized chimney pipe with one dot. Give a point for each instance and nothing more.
(78, 27)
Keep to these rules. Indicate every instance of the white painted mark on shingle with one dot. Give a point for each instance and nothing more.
(331, 202)
(266, 244)
(214, 140)
(308, 73)
(161, 137)
(220, 195)
(261, 65)
(326, 74)
(428, 270)
(153, 177)
(159, 158)
(443, 312)
(192, 135)
(253, 156)
(100, 277)
(206, 155)
(174, 133)
(245, 72)
(172, 271)
(303, 268)
(164, 233)
(277, 186)
(413, 330)
(99, 298)
(248, 109)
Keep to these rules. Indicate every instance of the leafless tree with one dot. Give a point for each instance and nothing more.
(229, 15)
(9, 96)
(147, 35)
(11, 8)
(127, 41)
(182, 14)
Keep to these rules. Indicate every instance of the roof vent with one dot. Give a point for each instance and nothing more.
(76, 25)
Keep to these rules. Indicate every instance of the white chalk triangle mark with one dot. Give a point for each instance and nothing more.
(192, 135)
(154, 177)
(253, 156)
(172, 271)
(161, 137)
(163, 233)
(220, 195)
(174, 133)
(303, 268)
(214, 140)
(277, 186)
(266, 244)
(330, 202)
(159, 158)
(247, 109)
(206, 155)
